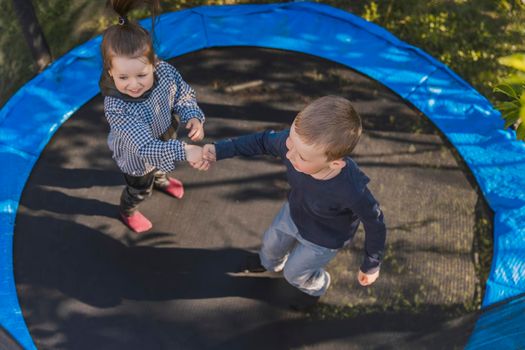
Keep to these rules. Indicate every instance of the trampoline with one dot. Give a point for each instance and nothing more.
(82, 280)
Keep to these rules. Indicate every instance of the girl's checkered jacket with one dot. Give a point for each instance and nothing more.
(136, 124)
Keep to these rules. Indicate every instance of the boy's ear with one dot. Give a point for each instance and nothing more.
(338, 164)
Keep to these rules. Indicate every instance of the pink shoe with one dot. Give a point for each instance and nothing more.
(136, 222)
(174, 189)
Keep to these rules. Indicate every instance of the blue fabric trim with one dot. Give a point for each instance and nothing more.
(500, 327)
(467, 119)
(17, 165)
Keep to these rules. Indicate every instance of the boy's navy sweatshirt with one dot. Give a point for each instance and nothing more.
(326, 212)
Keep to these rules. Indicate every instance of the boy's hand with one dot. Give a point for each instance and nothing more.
(194, 157)
(196, 128)
(367, 279)
(209, 153)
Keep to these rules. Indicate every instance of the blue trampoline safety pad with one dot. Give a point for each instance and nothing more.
(473, 126)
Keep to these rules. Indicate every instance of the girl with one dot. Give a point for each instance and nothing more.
(142, 95)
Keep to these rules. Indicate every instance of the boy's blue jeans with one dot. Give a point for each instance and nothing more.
(302, 262)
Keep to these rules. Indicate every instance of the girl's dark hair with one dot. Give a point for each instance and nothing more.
(128, 38)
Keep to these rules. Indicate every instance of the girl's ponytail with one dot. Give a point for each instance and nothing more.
(123, 7)
(127, 38)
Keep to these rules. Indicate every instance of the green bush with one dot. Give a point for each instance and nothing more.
(512, 88)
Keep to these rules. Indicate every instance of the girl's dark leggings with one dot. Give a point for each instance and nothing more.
(138, 188)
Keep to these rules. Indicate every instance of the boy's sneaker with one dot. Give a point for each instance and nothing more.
(304, 302)
(174, 189)
(136, 222)
(253, 264)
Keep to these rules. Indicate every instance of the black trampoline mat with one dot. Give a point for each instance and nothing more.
(84, 281)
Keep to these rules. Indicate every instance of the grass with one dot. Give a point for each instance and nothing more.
(468, 36)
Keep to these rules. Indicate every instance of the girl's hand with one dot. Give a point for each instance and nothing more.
(196, 128)
(367, 279)
(194, 157)
(202, 165)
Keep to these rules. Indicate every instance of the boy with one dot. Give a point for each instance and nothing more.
(328, 197)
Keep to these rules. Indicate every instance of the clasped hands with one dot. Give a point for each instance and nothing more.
(200, 158)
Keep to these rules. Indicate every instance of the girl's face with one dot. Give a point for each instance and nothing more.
(132, 76)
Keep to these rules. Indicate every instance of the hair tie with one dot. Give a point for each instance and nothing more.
(122, 20)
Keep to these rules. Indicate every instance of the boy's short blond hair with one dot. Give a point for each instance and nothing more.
(330, 122)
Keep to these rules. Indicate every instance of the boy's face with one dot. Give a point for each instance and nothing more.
(132, 76)
(309, 159)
